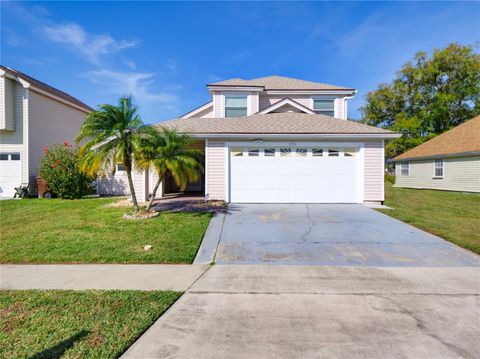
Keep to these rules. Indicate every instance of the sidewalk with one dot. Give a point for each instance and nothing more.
(100, 276)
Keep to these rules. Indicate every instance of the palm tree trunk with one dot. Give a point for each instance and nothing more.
(132, 190)
(155, 189)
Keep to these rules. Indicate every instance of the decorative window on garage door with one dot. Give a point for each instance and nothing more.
(237, 152)
(349, 151)
(333, 152)
(285, 152)
(269, 152)
(317, 152)
(301, 152)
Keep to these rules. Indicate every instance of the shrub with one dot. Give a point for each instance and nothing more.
(59, 168)
(390, 178)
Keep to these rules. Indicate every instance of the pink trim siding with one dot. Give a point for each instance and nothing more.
(373, 171)
(215, 171)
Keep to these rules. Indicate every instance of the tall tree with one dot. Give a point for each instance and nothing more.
(167, 151)
(429, 95)
(111, 136)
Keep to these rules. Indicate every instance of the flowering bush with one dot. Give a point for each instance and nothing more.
(59, 168)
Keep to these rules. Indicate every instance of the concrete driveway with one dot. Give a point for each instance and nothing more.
(266, 311)
(330, 234)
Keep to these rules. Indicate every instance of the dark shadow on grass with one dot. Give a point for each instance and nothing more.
(58, 350)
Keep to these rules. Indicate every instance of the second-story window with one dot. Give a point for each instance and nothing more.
(235, 105)
(324, 106)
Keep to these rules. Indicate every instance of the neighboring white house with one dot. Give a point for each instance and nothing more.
(32, 115)
(450, 161)
(278, 140)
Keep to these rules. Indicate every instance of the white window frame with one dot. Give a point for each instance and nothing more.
(248, 96)
(407, 168)
(435, 167)
(329, 98)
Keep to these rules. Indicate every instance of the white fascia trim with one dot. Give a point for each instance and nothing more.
(68, 103)
(286, 101)
(197, 110)
(293, 135)
(310, 92)
(236, 88)
(27, 85)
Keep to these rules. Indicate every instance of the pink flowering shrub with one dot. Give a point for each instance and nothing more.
(59, 168)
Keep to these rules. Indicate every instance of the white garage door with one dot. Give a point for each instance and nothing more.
(10, 173)
(295, 175)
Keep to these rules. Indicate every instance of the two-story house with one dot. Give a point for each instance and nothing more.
(278, 140)
(32, 115)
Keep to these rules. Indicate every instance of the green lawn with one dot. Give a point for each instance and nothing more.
(76, 324)
(454, 216)
(86, 231)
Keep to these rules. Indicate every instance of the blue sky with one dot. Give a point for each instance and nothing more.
(165, 52)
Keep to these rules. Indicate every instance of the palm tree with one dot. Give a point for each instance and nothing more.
(168, 151)
(111, 136)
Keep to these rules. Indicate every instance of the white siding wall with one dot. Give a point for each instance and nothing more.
(50, 122)
(217, 104)
(215, 170)
(7, 91)
(17, 141)
(116, 185)
(254, 103)
(460, 174)
(208, 113)
(374, 171)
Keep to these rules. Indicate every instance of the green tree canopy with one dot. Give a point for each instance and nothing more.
(111, 136)
(429, 95)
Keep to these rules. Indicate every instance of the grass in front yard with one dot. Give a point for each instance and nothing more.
(86, 231)
(454, 216)
(76, 324)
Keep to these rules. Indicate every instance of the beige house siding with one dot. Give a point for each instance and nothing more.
(217, 104)
(215, 170)
(207, 113)
(373, 171)
(17, 141)
(50, 122)
(460, 174)
(116, 185)
(7, 91)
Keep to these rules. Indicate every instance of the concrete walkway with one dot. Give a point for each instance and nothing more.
(100, 276)
(321, 312)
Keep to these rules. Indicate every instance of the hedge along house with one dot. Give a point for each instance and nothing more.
(32, 115)
(450, 161)
(277, 140)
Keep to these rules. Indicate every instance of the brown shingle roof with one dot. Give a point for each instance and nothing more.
(461, 139)
(279, 83)
(47, 88)
(272, 123)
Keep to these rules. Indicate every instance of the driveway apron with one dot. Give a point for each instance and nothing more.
(330, 234)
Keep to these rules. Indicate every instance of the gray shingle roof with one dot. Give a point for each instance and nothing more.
(280, 83)
(272, 123)
(47, 88)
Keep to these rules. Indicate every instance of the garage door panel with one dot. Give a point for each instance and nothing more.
(10, 173)
(294, 178)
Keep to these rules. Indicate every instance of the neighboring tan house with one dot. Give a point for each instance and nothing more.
(277, 140)
(450, 161)
(32, 115)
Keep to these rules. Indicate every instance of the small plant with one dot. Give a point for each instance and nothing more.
(60, 169)
(390, 178)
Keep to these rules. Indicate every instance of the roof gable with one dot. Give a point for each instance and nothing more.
(462, 139)
(279, 83)
(286, 102)
(39, 85)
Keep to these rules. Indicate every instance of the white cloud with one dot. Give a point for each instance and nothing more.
(141, 86)
(89, 45)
